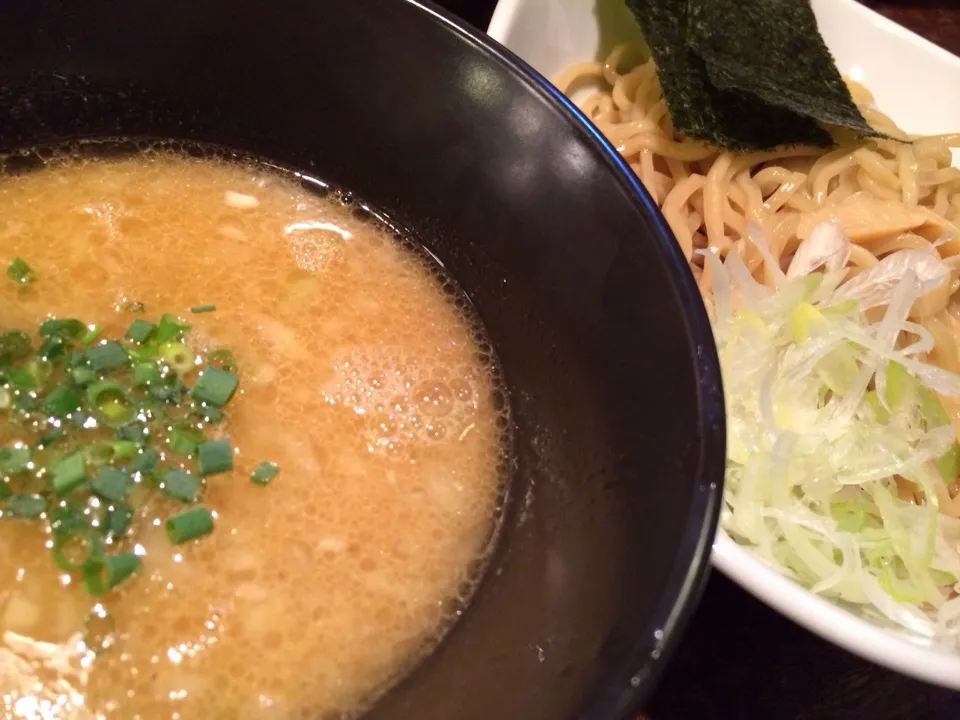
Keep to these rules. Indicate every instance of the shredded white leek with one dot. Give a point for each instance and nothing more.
(827, 405)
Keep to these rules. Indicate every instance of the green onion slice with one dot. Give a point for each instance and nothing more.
(72, 550)
(215, 386)
(116, 521)
(179, 485)
(14, 460)
(25, 506)
(264, 473)
(170, 327)
(140, 330)
(20, 272)
(14, 345)
(111, 484)
(215, 456)
(62, 401)
(111, 403)
(69, 473)
(107, 356)
(102, 574)
(70, 328)
(189, 524)
(178, 356)
(203, 308)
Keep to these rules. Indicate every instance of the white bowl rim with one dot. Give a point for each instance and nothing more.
(841, 627)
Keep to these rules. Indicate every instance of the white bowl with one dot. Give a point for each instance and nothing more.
(918, 85)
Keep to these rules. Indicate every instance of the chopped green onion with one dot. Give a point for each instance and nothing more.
(14, 460)
(140, 330)
(66, 518)
(180, 485)
(20, 272)
(18, 379)
(209, 414)
(83, 375)
(264, 473)
(107, 356)
(178, 356)
(170, 327)
(93, 332)
(61, 401)
(109, 399)
(14, 344)
(116, 521)
(51, 348)
(72, 550)
(223, 359)
(68, 473)
(110, 484)
(145, 461)
(215, 386)
(5, 490)
(134, 432)
(102, 574)
(63, 327)
(147, 374)
(25, 506)
(49, 437)
(184, 439)
(214, 456)
(203, 308)
(189, 524)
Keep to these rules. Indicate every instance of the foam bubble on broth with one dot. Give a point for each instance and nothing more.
(360, 378)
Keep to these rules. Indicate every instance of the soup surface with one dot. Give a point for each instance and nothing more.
(361, 377)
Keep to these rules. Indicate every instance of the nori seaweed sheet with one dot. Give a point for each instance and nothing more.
(728, 118)
(773, 49)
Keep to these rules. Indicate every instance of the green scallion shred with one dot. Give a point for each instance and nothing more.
(49, 438)
(145, 461)
(66, 517)
(82, 375)
(14, 460)
(223, 359)
(264, 473)
(215, 386)
(179, 485)
(147, 373)
(189, 525)
(61, 401)
(20, 272)
(140, 330)
(72, 550)
(102, 574)
(69, 328)
(170, 327)
(25, 506)
(107, 356)
(177, 356)
(14, 345)
(93, 332)
(69, 473)
(183, 439)
(51, 348)
(111, 484)
(111, 403)
(203, 308)
(5, 491)
(214, 456)
(116, 521)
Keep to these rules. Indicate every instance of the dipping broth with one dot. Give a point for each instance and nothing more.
(362, 377)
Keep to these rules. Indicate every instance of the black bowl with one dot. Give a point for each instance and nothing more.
(606, 348)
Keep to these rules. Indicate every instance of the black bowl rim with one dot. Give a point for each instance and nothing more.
(687, 582)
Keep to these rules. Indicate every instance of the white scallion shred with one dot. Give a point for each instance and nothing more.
(837, 443)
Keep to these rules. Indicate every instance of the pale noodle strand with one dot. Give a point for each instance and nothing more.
(891, 194)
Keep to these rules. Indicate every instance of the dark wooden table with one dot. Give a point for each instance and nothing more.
(739, 659)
